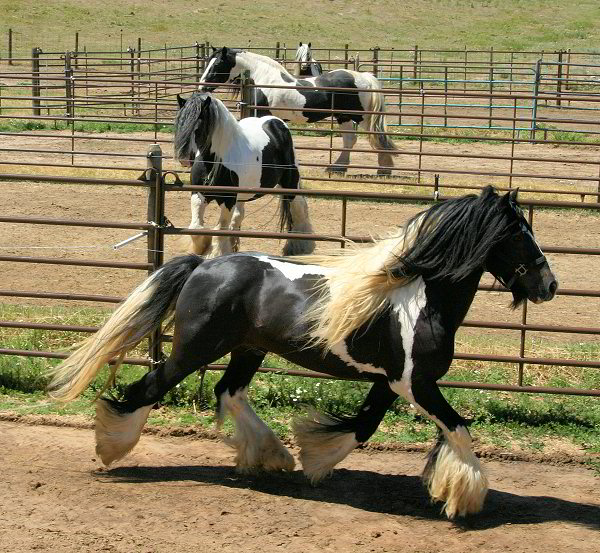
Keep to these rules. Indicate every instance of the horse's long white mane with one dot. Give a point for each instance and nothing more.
(357, 288)
(225, 129)
(264, 69)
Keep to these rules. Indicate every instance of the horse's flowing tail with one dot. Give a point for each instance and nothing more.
(141, 313)
(376, 124)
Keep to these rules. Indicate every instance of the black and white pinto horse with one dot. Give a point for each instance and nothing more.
(254, 152)
(227, 64)
(388, 312)
(306, 65)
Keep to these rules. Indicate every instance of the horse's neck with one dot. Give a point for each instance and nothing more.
(263, 70)
(225, 134)
(453, 299)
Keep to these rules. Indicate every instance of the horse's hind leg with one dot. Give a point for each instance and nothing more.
(340, 165)
(325, 440)
(119, 423)
(453, 474)
(197, 341)
(256, 445)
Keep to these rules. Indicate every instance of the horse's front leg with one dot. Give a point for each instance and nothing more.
(222, 244)
(325, 440)
(340, 165)
(453, 473)
(236, 224)
(199, 244)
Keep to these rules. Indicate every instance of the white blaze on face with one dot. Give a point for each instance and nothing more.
(207, 70)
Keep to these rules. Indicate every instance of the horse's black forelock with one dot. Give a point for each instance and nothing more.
(454, 238)
(186, 125)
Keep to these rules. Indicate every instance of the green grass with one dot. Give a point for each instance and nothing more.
(508, 421)
(511, 24)
(19, 125)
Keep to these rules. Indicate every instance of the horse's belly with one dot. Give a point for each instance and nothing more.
(287, 104)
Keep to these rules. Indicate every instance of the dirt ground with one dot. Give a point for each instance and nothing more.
(182, 494)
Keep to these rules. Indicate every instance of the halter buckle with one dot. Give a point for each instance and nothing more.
(521, 270)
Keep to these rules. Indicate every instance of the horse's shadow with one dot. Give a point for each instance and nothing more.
(380, 493)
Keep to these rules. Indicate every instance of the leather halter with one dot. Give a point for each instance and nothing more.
(522, 270)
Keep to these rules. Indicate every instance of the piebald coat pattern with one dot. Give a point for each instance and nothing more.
(387, 313)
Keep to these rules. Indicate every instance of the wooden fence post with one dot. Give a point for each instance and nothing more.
(35, 80)
(247, 95)
(559, 73)
(345, 56)
(156, 217)
(376, 61)
(277, 50)
(10, 47)
(68, 84)
(415, 57)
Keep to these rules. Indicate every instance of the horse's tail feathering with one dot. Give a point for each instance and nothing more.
(376, 121)
(141, 313)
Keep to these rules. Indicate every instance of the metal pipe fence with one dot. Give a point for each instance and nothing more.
(158, 189)
(147, 102)
(502, 125)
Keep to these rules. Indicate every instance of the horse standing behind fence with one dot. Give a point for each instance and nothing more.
(365, 106)
(254, 152)
(306, 66)
(388, 312)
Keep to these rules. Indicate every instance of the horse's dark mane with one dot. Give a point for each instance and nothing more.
(453, 238)
(186, 126)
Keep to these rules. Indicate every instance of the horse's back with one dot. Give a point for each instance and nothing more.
(255, 296)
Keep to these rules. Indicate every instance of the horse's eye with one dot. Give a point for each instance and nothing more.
(518, 237)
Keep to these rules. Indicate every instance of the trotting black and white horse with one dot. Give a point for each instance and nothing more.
(306, 66)
(388, 312)
(254, 152)
(227, 64)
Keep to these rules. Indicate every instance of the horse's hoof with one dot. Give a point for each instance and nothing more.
(336, 169)
(384, 172)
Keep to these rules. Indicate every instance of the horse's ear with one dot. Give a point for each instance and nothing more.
(512, 197)
(225, 50)
(206, 102)
(299, 44)
(309, 44)
(213, 49)
(180, 101)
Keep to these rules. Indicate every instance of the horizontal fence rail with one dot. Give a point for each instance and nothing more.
(458, 118)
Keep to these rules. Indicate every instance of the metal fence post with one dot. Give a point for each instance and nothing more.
(35, 80)
(536, 89)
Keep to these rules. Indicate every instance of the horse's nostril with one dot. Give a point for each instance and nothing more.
(553, 287)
